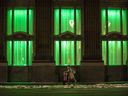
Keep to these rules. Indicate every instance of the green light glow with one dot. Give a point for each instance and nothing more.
(9, 53)
(124, 22)
(104, 48)
(56, 21)
(114, 20)
(125, 52)
(20, 21)
(103, 17)
(78, 22)
(20, 53)
(78, 52)
(114, 50)
(67, 21)
(9, 22)
(31, 21)
(57, 53)
(67, 53)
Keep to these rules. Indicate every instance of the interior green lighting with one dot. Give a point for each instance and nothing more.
(78, 52)
(19, 53)
(114, 20)
(9, 22)
(20, 21)
(30, 56)
(31, 22)
(9, 52)
(56, 22)
(103, 17)
(67, 20)
(124, 21)
(125, 52)
(78, 22)
(114, 52)
(67, 53)
(104, 48)
(57, 53)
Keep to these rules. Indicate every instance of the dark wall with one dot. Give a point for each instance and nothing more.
(44, 30)
(92, 30)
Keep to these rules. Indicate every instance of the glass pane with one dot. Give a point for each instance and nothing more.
(78, 22)
(9, 52)
(103, 13)
(125, 52)
(31, 22)
(113, 20)
(67, 53)
(56, 22)
(20, 55)
(9, 22)
(114, 52)
(78, 52)
(30, 56)
(124, 19)
(56, 52)
(20, 20)
(67, 20)
(104, 48)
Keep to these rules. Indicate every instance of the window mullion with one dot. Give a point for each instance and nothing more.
(27, 51)
(12, 39)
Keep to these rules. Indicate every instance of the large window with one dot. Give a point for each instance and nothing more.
(114, 52)
(19, 52)
(67, 51)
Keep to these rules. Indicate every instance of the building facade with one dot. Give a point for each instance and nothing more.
(39, 38)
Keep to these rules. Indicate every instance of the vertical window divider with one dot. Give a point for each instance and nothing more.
(121, 29)
(27, 57)
(127, 20)
(127, 32)
(75, 34)
(13, 38)
(107, 59)
(60, 61)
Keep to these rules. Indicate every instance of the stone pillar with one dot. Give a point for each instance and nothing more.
(3, 63)
(43, 64)
(92, 68)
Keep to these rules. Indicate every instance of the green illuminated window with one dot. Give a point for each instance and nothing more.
(19, 17)
(114, 52)
(67, 52)
(19, 52)
(113, 16)
(70, 20)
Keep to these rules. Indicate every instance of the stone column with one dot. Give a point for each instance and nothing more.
(43, 64)
(92, 64)
(3, 63)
